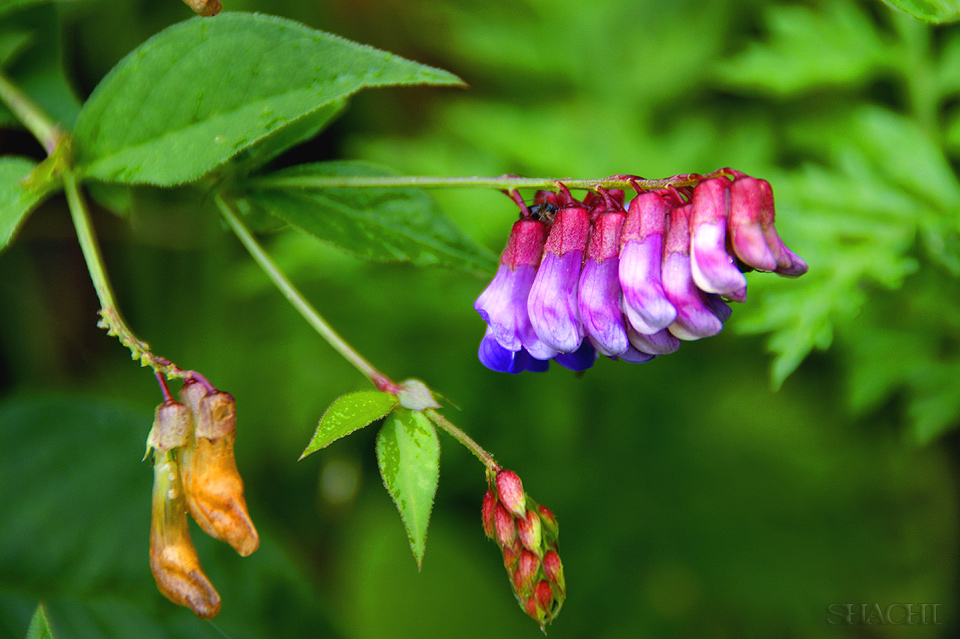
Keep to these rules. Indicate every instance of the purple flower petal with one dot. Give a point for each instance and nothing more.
(538, 365)
(714, 270)
(634, 356)
(641, 251)
(537, 349)
(644, 301)
(694, 319)
(599, 305)
(789, 264)
(497, 358)
(503, 305)
(737, 296)
(718, 307)
(580, 359)
(659, 343)
(552, 304)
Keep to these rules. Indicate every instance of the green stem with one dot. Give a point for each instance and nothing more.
(299, 301)
(109, 311)
(501, 182)
(464, 439)
(32, 117)
(326, 331)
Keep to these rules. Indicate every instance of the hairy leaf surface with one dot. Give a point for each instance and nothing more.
(348, 414)
(408, 453)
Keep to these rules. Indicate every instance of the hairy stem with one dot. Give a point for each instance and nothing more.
(464, 439)
(111, 320)
(29, 114)
(299, 302)
(501, 182)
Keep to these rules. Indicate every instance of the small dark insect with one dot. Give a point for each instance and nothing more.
(543, 211)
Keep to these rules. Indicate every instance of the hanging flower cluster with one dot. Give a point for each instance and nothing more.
(195, 471)
(579, 279)
(527, 535)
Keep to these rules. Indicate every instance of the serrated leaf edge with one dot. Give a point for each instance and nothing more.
(310, 449)
(417, 553)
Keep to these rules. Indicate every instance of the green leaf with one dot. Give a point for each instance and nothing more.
(809, 48)
(938, 11)
(408, 453)
(295, 133)
(11, 44)
(348, 414)
(16, 201)
(906, 154)
(199, 92)
(935, 407)
(39, 626)
(380, 225)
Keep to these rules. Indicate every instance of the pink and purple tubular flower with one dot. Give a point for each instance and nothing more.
(579, 279)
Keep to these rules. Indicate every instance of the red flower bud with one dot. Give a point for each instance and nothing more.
(527, 569)
(509, 560)
(528, 529)
(551, 565)
(530, 607)
(487, 514)
(506, 529)
(544, 594)
(529, 547)
(549, 521)
(510, 491)
(553, 569)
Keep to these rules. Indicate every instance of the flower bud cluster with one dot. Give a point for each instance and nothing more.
(195, 471)
(582, 279)
(527, 536)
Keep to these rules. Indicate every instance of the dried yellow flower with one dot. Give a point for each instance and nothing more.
(173, 559)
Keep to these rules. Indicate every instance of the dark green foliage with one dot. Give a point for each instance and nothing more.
(380, 225)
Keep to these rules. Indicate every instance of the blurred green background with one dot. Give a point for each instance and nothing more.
(694, 500)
